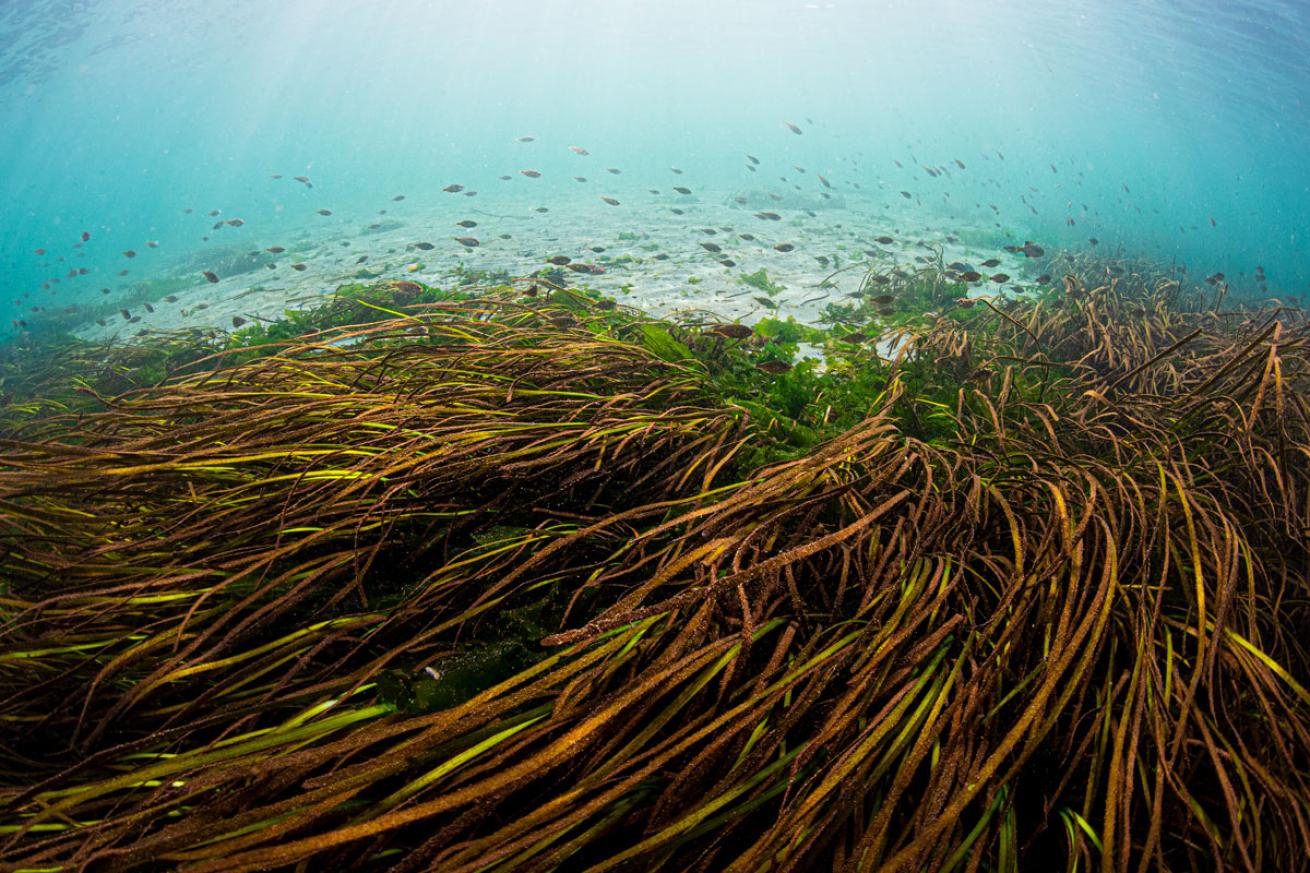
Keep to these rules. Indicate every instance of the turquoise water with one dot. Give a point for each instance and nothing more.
(1173, 131)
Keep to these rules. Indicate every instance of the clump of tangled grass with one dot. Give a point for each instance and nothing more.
(470, 590)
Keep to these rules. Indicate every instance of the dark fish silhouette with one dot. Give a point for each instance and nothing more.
(467, 241)
(731, 330)
(210, 275)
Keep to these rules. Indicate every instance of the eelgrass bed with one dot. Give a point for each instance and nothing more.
(491, 581)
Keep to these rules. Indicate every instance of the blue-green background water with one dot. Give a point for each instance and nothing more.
(1142, 121)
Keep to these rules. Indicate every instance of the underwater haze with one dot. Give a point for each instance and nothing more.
(1175, 132)
(655, 435)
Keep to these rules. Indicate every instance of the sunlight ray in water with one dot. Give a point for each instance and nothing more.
(722, 435)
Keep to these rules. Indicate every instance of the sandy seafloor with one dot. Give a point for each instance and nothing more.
(632, 234)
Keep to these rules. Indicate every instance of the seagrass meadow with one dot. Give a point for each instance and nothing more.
(516, 578)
